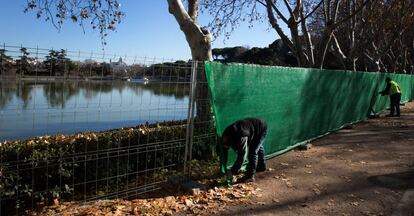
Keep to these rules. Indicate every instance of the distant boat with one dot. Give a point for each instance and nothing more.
(141, 80)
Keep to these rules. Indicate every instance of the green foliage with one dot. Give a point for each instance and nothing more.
(94, 69)
(169, 71)
(57, 63)
(62, 166)
(5, 62)
(275, 54)
(23, 64)
(86, 165)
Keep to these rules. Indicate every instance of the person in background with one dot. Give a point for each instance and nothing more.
(394, 91)
(246, 135)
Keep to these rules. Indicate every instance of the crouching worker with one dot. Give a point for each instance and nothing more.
(247, 135)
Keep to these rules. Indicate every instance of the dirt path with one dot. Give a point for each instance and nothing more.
(366, 170)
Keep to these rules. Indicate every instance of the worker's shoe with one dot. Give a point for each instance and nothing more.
(261, 169)
(390, 115)
(246, 179)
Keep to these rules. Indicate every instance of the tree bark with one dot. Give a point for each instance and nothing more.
(322, 47)
(193, 9)
(198, 39)
(273, 22)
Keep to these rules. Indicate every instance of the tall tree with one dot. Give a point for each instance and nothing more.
(378, 38)
(57, 63)
(309, 50)
(6, 62)
(23, 64)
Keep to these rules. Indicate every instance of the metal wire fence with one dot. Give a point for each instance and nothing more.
(82, 126)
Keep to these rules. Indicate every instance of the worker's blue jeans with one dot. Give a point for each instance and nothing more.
(256, 157)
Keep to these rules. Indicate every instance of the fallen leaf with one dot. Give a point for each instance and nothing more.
(56, 201)
(355, 203)
(289, 184)
(317, 191)
(189, 203)
(351, 196)
(136, 213)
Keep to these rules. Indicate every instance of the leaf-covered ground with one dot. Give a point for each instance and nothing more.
(171, 200)
(205, 203)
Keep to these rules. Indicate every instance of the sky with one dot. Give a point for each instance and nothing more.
(148, 30)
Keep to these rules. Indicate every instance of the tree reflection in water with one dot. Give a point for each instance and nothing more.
(47, 107)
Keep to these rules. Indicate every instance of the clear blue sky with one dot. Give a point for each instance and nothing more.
(148, 30)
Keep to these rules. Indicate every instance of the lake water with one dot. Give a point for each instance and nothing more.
(37, 108)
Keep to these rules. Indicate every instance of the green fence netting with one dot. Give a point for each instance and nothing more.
(298, 104)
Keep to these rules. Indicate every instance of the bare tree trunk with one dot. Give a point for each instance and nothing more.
(307, 38)
(296, 40)
(323, 48)
(198, 39)
(339, 53)
(273, 22)
(193, 9)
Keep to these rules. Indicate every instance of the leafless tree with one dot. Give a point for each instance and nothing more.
(309, 47)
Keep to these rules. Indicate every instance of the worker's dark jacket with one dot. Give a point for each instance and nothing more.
(244, 134)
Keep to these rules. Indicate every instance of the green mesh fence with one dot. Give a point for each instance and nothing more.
(297, 104)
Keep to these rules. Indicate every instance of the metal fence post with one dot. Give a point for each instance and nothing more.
(2, 68)
(190, 120)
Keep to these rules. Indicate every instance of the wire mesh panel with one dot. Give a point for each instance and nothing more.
(86, 125)
(204, 135)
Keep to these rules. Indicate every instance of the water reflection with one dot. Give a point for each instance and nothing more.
(34, 108)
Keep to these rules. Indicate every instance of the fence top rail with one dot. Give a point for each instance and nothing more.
(82, 54)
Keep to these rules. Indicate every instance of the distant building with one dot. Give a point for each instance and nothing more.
(118, 65)
(89, 61)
